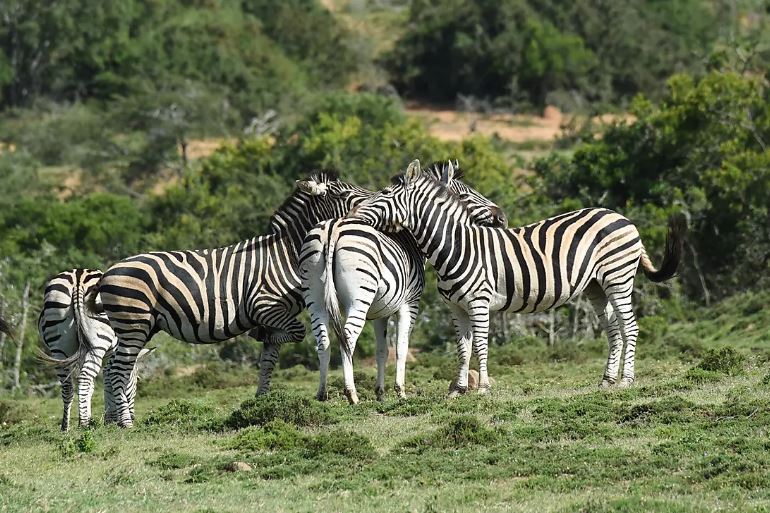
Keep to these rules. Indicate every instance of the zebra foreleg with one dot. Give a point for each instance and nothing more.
(479, 318)
(381, 353)
(462, 326)
(406, 316)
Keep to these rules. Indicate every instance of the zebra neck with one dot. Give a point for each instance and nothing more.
(439, 237)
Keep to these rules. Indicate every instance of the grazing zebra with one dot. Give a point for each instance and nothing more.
(528, 269)
(347, 266)
(78, 342)
(211, 295)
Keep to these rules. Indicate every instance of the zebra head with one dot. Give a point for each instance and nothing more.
(413, 195)
(482, 211)
(318, 197)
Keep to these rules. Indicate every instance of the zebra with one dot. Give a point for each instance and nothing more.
(347, 265)
(76, 343)
(528, 269)
(211, 295)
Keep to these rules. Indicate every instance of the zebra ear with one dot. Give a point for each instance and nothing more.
(311, 187)
(448, 173)
(412, 173)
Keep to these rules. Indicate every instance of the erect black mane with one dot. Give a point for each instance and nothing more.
(439, 166)
(444, 192)
(318, 176)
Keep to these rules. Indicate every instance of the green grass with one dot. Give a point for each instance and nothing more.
(692, 435)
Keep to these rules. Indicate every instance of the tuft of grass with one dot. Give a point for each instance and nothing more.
(182, 414)
(173, 460)
(725, 360)
(84, 444)
(461, 431)
(347, 444)
(274, 435)
(292, 408)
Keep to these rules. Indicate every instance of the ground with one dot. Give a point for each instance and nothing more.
(692, 435)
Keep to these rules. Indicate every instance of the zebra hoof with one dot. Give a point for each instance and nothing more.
(484, 389)
(606, 383)
(262, 391)
(626, 383)
(126, 424)
(400, 393)
(352, 397)
(380, 393)
(456, 391)
(322, 395)
(65, 427)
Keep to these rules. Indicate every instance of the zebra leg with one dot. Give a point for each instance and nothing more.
(354, 324)
(480, 327)
(462, 326)
(406, 316)
(380, 332)
(620, 298)
(609, 323)
(319, 323)
(110, 408)
(292, 331)
(91, 367)
(121, 369)
(67, 393)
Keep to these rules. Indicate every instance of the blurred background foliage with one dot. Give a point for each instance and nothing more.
(147, 125)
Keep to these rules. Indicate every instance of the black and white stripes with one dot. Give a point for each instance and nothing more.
(206, 296)
(528, 269)
(351, 270)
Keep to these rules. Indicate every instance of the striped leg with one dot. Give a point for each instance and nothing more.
(406, 317)
(321, 332)
(121, 370)
(609, 323)
(381, 353)
(479, 317)
(267, 363)
(620, 298)
(88, 372)
(110, 408)
(291, 330)
(462, 325)
(67, 394)
(354, 324)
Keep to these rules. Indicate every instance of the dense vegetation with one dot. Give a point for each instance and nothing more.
(99, 125)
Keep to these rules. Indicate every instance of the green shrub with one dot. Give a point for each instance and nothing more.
(460, 431)
(347, 444)
(12, 412)
(725, 360)
(182, 414)
(174, 460)
(288, 407)
(274, 435)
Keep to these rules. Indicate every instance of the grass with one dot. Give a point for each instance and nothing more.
(692, 435)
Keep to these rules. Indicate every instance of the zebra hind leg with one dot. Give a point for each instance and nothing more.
(406, 317)
(91, 367)
(620, 298)
(320, 326)
(67, 395)
(354, 324)
(609, 323)
(381, 353)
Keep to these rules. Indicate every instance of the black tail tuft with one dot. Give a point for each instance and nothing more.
(677, 229)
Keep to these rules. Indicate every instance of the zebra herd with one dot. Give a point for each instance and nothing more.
(348, 255)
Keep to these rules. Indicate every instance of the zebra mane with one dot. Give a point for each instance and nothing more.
(443, 190)
(436, 169)
(297, 196)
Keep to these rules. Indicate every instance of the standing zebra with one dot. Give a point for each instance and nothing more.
(75, 339)
(211, 295)
(528, 269)
(348, 266)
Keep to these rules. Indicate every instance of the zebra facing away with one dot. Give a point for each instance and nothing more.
(528, 269)
(347, 266)
(76, 343)
(211, 295)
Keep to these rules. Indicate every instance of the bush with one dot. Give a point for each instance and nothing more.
(290, 408)
(181, 414)
(274, 435)
(461, 431)
(725, 361)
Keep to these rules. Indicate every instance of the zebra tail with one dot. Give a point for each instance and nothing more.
(331, 302)
(677, 229)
